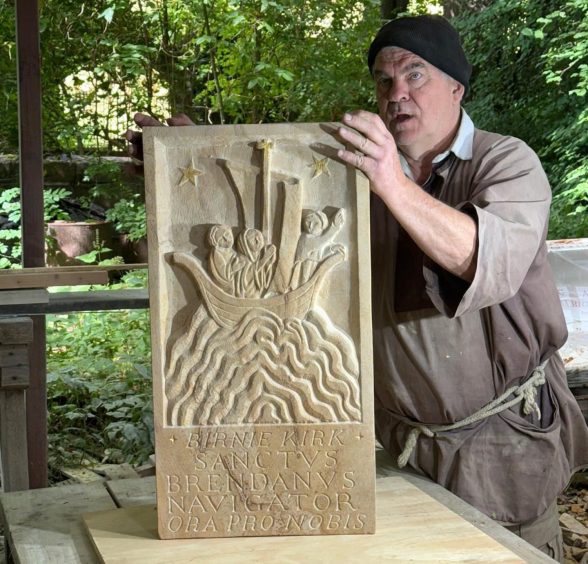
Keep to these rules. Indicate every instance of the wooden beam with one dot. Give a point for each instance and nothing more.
(51, 277)
(33, 296)
(77, 268)
(15, 331)
(36, 402)
(13, 440)
(33, 229)
(69, 302)
(44, 277)
(30, 132)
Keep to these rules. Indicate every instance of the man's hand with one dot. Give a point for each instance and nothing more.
(376, 156)
(135, 138)
(446, 235)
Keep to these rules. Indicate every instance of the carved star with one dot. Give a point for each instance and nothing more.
(320, 166)
(190, 174)
(264, 144)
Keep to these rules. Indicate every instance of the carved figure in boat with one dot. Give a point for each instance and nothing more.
(227, 310)
(224, 263)
(255, 277)
(313, 244)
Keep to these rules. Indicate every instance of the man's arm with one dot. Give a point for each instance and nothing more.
(446, 235)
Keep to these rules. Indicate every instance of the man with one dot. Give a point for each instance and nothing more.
(470, 390)
(466, 316)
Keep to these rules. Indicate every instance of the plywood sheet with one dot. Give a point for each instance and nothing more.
(44, 525)
(411, 527)
(259, 288)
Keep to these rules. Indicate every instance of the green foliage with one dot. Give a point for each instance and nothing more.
(129, 216)
(126, 209)
(228, 61)
(535, 87)
(96, 255)
(10, 239)
(100, 410)
(8, 84)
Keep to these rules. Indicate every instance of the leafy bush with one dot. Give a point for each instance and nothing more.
(99, 386)
(10, 238)
(535, 87)
(126, 208)
(129, 217)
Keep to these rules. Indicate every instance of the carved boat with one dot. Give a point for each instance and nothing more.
(228, 310)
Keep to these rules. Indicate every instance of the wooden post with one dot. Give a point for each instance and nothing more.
(33, 230)
(16, 334)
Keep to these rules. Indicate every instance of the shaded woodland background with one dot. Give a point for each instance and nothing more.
(252, 61)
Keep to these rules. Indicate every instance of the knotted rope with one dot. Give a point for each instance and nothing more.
(526, 393)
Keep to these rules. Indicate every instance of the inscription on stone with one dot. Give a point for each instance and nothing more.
(259, 292)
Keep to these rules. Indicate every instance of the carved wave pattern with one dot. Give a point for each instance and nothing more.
(264, 370)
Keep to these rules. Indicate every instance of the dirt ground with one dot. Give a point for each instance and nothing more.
(573, 519)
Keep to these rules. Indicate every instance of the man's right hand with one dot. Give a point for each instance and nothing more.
(135, 138)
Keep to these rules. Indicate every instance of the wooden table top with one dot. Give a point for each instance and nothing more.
(46, 526)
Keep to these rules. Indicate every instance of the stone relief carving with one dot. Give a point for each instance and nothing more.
(259, 288)
(260, 349)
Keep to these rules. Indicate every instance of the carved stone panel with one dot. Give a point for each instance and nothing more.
(259, 282)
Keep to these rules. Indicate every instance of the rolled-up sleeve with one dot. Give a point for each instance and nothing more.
(509, 198)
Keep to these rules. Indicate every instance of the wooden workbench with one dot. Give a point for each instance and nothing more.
(46, 525)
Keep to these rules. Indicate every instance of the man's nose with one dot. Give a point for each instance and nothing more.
(398, 92)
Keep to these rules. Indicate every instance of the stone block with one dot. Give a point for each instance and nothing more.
(261, 330)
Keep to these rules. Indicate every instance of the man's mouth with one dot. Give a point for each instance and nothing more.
(401, 118)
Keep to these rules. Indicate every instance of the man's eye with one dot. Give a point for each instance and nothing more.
(416, 75)
(384, 81)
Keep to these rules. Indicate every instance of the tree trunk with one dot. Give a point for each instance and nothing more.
(389, 8)
(453, 8)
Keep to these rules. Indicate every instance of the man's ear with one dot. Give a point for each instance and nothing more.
(458, 91)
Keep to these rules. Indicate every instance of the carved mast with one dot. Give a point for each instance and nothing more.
(266, 225)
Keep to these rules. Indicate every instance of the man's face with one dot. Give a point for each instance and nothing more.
(312, 223)
(225, 239)
(255, 240)
(419, 104)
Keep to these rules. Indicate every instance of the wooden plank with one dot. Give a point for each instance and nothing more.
(66, 302)
(145, 470)
(404, 514)
(23, 297)
(115, 471)
(13, 441)
(82, 475)
(14, 377)
(24, 279)
(14, 355)
(37, 406)
(16, 330)
(44, 526)
(133, 492)
(76, 268)
(43, 277)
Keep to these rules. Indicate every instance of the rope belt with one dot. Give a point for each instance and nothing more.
(526, 393)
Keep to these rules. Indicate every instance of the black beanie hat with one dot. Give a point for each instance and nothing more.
(430, 37)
